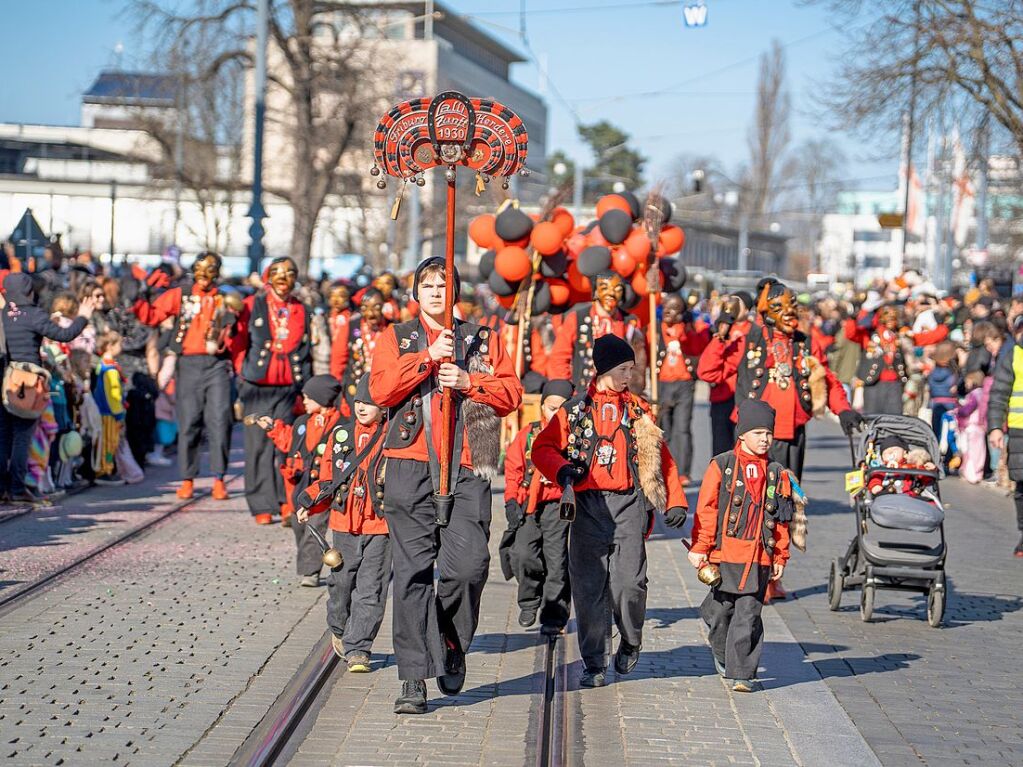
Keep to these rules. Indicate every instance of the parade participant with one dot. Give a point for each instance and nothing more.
(301, 444)
(681, 343)
(434, 624)
(742, 526)
(537, 536)
(616, 468)
(339, 304)
(534, 353)
(773, 363)
(572, 355)
(351, 355)
(882, 370)
(731, 328)
(272, 356)
(203, 319)
(1005, 414)
(348, 488)
(387, 284)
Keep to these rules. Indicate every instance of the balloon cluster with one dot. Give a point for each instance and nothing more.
(570, 256)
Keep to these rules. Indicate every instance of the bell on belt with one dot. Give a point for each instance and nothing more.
(331, 557)
(709, 575)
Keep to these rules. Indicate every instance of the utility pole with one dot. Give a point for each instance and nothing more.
(909, 128)
(577, 191)
(256, 210)
(982, 182)
(113, 206)
(743, 264)
(179, 154)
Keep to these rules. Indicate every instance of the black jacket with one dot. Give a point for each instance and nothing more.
(998, 409)
(26, 325)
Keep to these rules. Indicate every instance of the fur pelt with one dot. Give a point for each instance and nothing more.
(797, 527)
(482, 427)
(818, 386)
(651, 473)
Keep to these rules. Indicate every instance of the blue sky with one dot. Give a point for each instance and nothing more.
(597, 59)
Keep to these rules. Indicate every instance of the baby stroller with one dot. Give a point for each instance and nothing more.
(900, 538)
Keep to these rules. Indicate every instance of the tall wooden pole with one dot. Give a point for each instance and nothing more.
(447, 416)
(653, 281)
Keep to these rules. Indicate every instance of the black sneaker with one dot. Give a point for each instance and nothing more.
(527, 617)
(551, 629)
(593, 677)
(626, 658)
(1018, 551)
(412, 699)
(745, 685)
(453, 678)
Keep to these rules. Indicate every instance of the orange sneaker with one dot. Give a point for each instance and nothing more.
(263, 519)
(775, 591)
(185, 491)
(220, 490)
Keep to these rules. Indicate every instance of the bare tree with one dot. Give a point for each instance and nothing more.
(327, 86)
(768, 137)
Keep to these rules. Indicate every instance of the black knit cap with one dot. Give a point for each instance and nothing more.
(754, 414)
(891, 440)
(745, 297)
(611, 351)
(362, 391)
(323, 389)
(557, 388)
(435, 261)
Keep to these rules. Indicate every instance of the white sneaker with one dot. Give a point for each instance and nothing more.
(159, 459)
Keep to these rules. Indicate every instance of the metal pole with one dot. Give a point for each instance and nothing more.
(256, 212)
(113, 206)
(428, 21)
(577, 192)
(909, 128)
(982, 182)
(743, 243)
(28, 239)
(179, 157)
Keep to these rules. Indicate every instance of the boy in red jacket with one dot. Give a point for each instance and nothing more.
(302, 443)
(537, 534)
(741, 525)
(349, 486)
(609, 455)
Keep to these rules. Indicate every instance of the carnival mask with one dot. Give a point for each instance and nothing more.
(671, 313)
(609, 292)
(888, 317)
(781, 311)
(340, 297)
(386, 284)
(372, 308)
(282, 276)
(206, 271)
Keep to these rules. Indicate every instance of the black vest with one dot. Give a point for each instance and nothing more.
(582, 352)
(872, 362)
(662, 353)
(261, 350)
(752, 376)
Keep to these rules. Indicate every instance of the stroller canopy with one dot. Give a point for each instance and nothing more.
(915, 431)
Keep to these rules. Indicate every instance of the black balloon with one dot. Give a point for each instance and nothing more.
(667, 209)
(554, 265)
(673, 275)
(615, 225)
(541, 298)
(501, 286)
(631, 298)
(634, 204)
(589, 227)
(487, 263)
(594, 260)
(513, 225)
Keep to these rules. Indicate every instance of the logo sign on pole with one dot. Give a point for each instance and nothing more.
(695, 15)
(890, 220)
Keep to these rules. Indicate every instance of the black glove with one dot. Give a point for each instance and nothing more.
(515, 514)
(724, 324)
(570, 473)
(851, 421)
(687, 317)
(676, 516)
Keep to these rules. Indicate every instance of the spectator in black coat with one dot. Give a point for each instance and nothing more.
(25, 325)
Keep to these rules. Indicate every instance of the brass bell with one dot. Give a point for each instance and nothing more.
(709, 575)
(332, 558)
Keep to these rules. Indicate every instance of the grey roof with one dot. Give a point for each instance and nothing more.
(137, 88)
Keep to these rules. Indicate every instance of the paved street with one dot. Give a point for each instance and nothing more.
(171, 648)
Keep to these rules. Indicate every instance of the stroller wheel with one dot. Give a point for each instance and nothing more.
(936, 604)
(867, 602)
(836, 582)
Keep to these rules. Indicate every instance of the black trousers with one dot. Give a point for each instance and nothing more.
(883, 398)
(308, 554)
(675, 414)
(722, 430)
(426, 613)
(203, 385)
(15, 439)
(607, 564)
(540, 560)
(736, 630)
(790, 453)
(264, 485)
(1018, 498)
(357, 591)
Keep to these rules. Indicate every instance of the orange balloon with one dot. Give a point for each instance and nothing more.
(613, 202)
(576, 243)
(638, 245)
(639, 283)
(563, 220)
(513, 263)
(577, 279)
(595, 237)
(671, 239)
(547, 238)
(623, 262)
(580, 296)
(506, 302)
(560, 292)
(482, 232)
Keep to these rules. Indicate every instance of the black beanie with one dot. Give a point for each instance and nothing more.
(745, 297)
(557, 388)
(435, 261)
(611, 351)
(323, 389)
(891, 440)
(754, 414)
(362, 391)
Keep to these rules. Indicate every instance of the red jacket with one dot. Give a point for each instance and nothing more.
(339, 346)
(510, 336)
(293, 468)
(168, 304)
(722, 383)
(517, 463)
(692, 339)
(278, 371)
(549, 446)
(559, 364)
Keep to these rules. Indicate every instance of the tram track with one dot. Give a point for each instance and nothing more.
(18, 597)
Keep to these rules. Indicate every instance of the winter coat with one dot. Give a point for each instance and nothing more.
(943, 383)
(26, 324)
(998, 409)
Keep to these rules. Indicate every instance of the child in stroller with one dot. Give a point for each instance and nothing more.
(895, 453)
